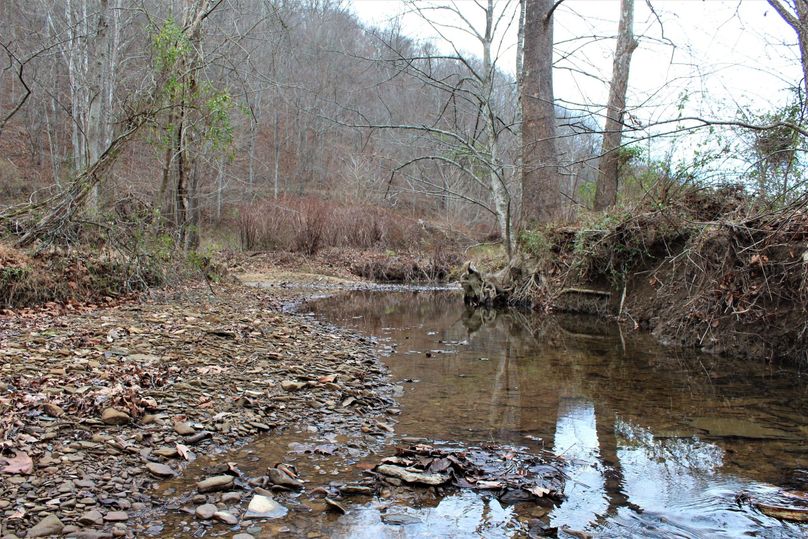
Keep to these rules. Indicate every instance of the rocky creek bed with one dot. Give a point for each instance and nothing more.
(100, 407)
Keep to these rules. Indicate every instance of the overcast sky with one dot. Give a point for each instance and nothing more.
(721, 54)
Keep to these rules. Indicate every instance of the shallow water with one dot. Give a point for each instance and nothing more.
(659, 444)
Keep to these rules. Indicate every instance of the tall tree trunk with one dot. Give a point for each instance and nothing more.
(541, 179)
(188, 138)
(608, 169)
(516, 194)
(98, 75)
(276, 140)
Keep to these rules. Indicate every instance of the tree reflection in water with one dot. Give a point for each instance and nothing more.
(636, 421)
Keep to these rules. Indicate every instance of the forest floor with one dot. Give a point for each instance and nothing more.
(100, 404)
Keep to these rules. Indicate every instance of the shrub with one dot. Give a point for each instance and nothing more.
(309, 224)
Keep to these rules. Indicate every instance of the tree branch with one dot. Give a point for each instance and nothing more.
(19, 72)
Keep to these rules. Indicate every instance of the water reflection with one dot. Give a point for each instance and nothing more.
(462, 515)
(576, 438)
(659, 445)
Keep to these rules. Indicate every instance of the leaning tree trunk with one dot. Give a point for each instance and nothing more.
(62, 208)
(795, 13)
(608, 169)
(541, 179)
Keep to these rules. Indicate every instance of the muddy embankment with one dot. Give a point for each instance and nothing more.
(710, 272)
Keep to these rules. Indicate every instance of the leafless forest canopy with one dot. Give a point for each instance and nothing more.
(213, 112)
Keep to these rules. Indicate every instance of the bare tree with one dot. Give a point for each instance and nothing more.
(608, 169)
(63, 206)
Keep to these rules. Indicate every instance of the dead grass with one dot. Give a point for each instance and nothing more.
(309, 224)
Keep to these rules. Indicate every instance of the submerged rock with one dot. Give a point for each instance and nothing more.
(217, 482)
(283, 479)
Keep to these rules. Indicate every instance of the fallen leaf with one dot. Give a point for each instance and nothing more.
(21, 463)
(185, 452)
(538, 491)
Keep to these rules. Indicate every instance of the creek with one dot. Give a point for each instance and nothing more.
(658, 443)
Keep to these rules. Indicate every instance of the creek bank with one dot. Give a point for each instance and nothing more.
(352, 265)
(708, 270)
(98, 408)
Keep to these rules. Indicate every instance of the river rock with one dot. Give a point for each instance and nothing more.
(50, 525)
(113, 416)
(264, 507)
(53, 409)
(206, 511)
(217, 482)
(283, 479)
(334, 505)
(168, 452)
(226, 517)
(243, 536)
(229, 497)
(91, 518)
(291, 385)
(184, 428)
(160, 470)
(116, 516)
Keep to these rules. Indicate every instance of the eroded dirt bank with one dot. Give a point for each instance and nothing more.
(707, 269)
(98, 407)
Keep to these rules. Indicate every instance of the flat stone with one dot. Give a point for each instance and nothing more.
(228, 497)
(184, 428)
(91, 534)
(112, 416)
(217, 482)
(169, 452)
(291, 385)
(91, 518)
(160, 470)
(53, 409)
(206, 511)
(243, 536)
(50, 525)
(116, 516)
(226, 517)
(265, 507)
